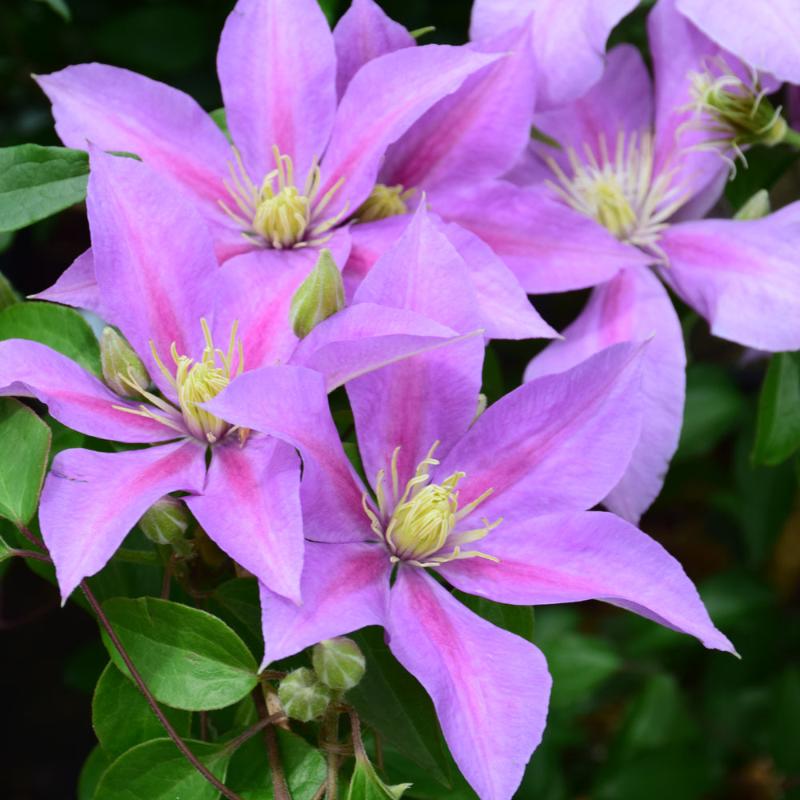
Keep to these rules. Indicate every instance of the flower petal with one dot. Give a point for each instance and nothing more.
(378, 108)
(569, 47)
(363, 33)
(547, 245)
(277, 68)
(490, 688)
(91, 500)
(765, 35)
(152, 254)
(344, 588)
(478, 131)
(565, 558)
(251, 508)
(291, 403)
(558, 443)
(633, 306)
(73, 396)
(119, 110)
(77, 286)
(742, 276)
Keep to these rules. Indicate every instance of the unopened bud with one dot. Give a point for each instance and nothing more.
(318, 297)
(302, 695)
(339, 663)
(756, 207)
(123, 370)
(166, 523)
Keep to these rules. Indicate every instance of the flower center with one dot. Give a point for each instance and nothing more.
(733, 110)
(621, 190)
(194, 382)
(279, 213)
(421, 525)
(384, 201)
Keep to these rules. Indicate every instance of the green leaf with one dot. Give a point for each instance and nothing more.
(785, 721)
(6, 552)
(303, 766)
(60, 7)
(236, 602)
(365, 784)
(25, 436)
(157, 770)
(393, 703)
(8, 295)
(122, 718)
(515, 619)
(93, 768)
(59, 327)
(190, 659)
(778, 427)
(37, 182)
(714, 408)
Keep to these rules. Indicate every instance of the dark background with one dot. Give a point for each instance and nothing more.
(638, 712)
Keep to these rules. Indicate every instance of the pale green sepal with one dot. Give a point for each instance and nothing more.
(339, 663)
(319, 296)
(122, 368)
(166, 523)
(303, 696)
(756, 207)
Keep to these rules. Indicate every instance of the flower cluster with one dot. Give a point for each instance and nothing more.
(370, 215)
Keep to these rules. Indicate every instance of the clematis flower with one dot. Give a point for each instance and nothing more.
(614, 205)
(195, 326)
(301, 163)
(495, 507)
(491, 503)
(475, 134)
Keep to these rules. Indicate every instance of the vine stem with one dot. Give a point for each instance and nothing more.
(143, 688)
(280, 788)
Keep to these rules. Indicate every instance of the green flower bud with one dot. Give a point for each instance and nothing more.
(365, 782)
(756, 207)
(319, 296)
(123, 370)
(166, 523)
(302, 696)
(339, 663)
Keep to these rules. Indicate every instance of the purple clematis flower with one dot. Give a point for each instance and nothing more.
(474, 135)
(494, 506)
(621, 194)
(764, 35)
(302, 161)
(195, 326)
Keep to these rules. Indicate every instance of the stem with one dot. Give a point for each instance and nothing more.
(31, 554)
(30, 536)
(151, 701)
(280, 789)
(245, 736)
(330, 737)
(355, 729)
(792, 138)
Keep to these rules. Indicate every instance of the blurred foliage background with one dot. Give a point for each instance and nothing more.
(638, 711)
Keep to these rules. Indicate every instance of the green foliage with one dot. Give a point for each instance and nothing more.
(189, 658)
(59, 327)
(93, 768)
(28, 438)
(37, 182)
(60, 7)
(365, 784)
(157, 770)
(778, 426)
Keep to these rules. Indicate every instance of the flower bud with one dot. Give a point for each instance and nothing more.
(122, 368)
(302, 696)
(319, 296)
(756, 207)
(365, 782)
(339, 663)
(166, 523)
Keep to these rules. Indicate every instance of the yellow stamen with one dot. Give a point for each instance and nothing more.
(383, 202)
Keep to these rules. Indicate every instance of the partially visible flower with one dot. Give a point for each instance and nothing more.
(191, 327)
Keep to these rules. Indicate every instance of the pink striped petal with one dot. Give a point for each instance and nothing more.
(490, 688)
(251, 508)
(277, 68)
(344, 588)
(378, 108)
(91, 500)
(370, 241)
(77, 287)
(564, 558)
(632, 307)
(363, 33)
(478, 131)
(122, 111)
(558, 443)
(73, 396)
(152, 255)
(742, 276)
(547, 245)
(291, 404)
